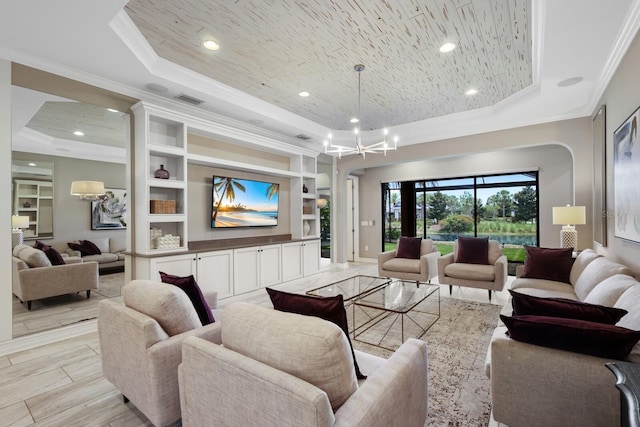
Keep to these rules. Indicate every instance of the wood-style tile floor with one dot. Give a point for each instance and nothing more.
(61, 384)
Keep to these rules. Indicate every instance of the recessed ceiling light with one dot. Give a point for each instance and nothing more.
(31, 164)
(78, 133)
(304, 94)
(570, 81)
(471, 92)
(354, 120)
(211, 45)
(447, 47)
(113, 110)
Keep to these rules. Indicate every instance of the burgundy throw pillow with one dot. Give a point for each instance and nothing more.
(189, 285)
(579, 336)
(89, 248)
(473, 250)
(561, 307)
(39, 245)
(327, 308)
(54, 256)
(548, 263)
(409, 247)
(76, 247)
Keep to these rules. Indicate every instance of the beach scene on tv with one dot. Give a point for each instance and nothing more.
(243, 203)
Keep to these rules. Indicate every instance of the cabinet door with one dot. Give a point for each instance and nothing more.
(245, 270)
(291, 261)
(215, 272)
(178, 265)
(270, 269)
(311, 257)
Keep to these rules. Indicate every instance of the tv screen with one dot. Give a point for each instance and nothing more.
(243, 203)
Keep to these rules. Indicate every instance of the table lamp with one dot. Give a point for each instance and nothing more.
(568, 217)
(17, 224)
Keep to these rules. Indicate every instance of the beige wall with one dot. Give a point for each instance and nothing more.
(551, 161)
(621, 98)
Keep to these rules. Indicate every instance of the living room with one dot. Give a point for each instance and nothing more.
(561, 151)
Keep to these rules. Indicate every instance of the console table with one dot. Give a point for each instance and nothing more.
(628, 382)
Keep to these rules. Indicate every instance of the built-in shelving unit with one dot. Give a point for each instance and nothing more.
(32, 198)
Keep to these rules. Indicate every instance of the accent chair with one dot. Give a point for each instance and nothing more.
(422, 269)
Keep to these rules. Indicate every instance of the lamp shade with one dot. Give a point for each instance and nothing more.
(87, 190)
(18, 221)
(321, 203)
(569, 215)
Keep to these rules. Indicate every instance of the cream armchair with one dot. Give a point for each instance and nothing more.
(420, 270)
(141, 345)
(287, 370)
(492, 276)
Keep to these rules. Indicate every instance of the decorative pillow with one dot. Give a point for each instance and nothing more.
(473, 250)
(306, 347)
(189, 285)
(89, 248)
(54, 256)
(327, 308)
(560, 307)
(34, 257)
(409, 247)
(580, 336)
(39, 245)
(76, 247)
(167, 304)
(548, 263)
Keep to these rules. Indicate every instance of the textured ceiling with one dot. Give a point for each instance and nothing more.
(275, 49)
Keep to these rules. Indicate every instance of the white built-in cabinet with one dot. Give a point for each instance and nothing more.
(300, 259)
(256, 267)
(34, 199)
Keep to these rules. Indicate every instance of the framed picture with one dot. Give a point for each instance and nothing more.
(626, 176)
(110, 212)
(600, 177)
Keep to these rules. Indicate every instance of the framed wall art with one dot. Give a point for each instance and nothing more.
(626, 179)
(599, 127)
(110, 212)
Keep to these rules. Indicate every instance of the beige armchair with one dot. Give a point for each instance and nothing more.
(421, 270)
(284, 369)
(141, 344)
(492, 276)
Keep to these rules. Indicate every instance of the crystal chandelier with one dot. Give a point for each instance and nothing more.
(359, 148)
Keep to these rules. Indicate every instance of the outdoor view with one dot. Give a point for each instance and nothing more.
(501, 207)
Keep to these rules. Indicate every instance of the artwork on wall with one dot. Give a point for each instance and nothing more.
(110, 212)
(600, 177)
(626, 177)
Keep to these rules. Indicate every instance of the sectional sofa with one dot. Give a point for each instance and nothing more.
(532, 385)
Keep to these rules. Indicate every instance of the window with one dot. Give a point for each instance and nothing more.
(391, 214)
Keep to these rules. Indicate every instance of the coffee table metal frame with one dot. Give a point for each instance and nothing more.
(351, 288)
(398, 298)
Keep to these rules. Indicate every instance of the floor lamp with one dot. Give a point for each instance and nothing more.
(569, 217)
(17, 224)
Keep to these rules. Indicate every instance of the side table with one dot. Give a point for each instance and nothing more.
(628, 382)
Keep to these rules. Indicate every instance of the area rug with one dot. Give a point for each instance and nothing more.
(457, 343)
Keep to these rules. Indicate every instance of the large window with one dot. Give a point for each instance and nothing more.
(501, 207)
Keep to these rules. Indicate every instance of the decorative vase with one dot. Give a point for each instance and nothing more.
(161, 173)
(304, 188)
(26, 205)
(305, 228)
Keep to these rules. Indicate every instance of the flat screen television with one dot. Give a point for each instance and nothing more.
(243, 203)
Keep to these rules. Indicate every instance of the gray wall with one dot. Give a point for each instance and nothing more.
(5, 193)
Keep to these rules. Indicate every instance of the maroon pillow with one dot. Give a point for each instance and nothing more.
(54, 256)
(89, 248)
(580, 336)
(548, 263)
(189, 285)
(560, 307)
(327, 308)
(77, 247)
(409, 247)
(473, 250)
(39, 245)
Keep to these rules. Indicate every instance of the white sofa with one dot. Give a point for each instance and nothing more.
(538, 386)
(112, 248)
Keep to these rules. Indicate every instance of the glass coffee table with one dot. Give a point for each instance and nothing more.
(351, 288)
(416, 305)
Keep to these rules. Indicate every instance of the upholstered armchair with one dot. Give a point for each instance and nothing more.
(141, 344)
(490, 275)
(422, 268)
(284, 369)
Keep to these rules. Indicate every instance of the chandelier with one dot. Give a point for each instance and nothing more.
(359, 147)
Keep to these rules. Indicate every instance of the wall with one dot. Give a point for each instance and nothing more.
(574, 134)
(553, 163)
(5, 194)
(71, 216)
(622, 98)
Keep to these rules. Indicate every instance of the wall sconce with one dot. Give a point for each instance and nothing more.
(87, 190)
(17, 224)
(321, 203)
(568, 217)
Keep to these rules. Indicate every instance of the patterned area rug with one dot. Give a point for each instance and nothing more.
(457, 343)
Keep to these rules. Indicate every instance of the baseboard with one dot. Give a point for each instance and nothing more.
(41, 338)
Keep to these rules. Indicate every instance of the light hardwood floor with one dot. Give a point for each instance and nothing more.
(61, 384)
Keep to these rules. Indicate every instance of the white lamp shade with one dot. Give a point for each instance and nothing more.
(321, 203)
(87, 189)
(18, 221)
(569, 215)
(322, 181)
